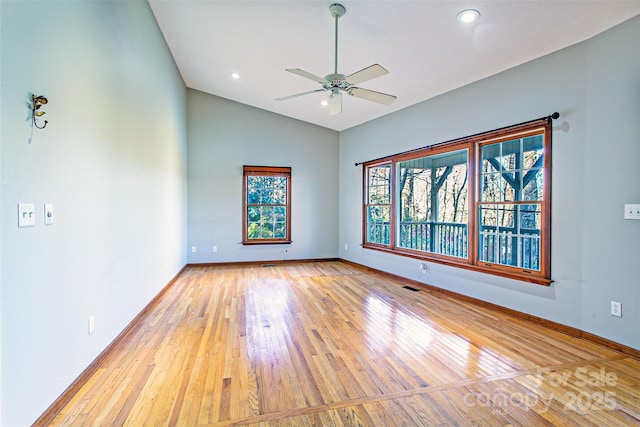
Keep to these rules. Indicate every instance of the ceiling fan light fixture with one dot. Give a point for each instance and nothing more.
(468, 16)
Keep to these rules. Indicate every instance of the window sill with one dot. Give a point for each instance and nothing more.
(267, 242)
(494, 271)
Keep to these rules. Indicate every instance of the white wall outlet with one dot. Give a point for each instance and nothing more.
(26, 214)
(616, 308)
(423, 267)
(92, 325)
(193, 249)
(346, 247)
(214, 248)
(49, 213)
(632, 211)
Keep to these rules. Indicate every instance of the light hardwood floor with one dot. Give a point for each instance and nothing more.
(330, 344)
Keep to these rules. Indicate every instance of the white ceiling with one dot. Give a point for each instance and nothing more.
(426, 51)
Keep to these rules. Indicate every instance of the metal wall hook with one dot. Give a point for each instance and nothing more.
(37, 102)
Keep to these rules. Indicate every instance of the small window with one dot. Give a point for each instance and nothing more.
(266, 205)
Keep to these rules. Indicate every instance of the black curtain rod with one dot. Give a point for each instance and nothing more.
(549, 117)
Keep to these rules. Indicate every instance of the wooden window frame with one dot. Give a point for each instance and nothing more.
(473, 145)
(248, 171)
(367, 204)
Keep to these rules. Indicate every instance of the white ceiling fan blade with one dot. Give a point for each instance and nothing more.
(370, 95)
(284, 98)
(335, 103)
(307, 75)
(371, 72)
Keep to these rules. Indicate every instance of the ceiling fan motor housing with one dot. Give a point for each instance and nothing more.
(335, 81)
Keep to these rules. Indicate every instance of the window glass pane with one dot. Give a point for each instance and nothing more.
(433, 204)
(530, 252)
(253, 189)
(510, 235)
(253, 214)
(414, 184)
(490, 158)
(529, 242)
(506, 217)
(490, 187)
(266, 230)
(510, 155)
(512, 170)
(488, 166)
(378, 214)
(378, 230)
(506, 249)
(279, 192)
(533, 185)
(532, 152)
(507, 190)
(279, 230)
(266, 192)
(380, 185)
(253, 230)
(280, 197)
(280, 213)
(488, 216)
(266, 214)
(530, 216)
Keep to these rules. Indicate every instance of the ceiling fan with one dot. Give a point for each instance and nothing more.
(339, 82)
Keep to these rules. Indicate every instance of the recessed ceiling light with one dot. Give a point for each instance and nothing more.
(467, 16)
(235, 75)
(324, 102)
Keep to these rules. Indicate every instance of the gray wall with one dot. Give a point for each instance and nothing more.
(596, 88)
(223, 136)
(113, 162)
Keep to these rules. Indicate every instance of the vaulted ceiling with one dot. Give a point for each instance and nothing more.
(425, 49)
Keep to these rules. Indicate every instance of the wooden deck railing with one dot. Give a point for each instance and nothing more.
(446, 238)
(503, 246)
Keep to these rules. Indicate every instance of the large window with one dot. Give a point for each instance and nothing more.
(266, 205)
(480, 202)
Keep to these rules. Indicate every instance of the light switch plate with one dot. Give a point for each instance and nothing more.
(632, 211)
(49, 213)
(26, 215)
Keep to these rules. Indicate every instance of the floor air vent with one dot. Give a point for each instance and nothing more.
(268, 265)
(411, 289)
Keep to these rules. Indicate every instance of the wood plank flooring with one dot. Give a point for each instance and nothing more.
(330, 344)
